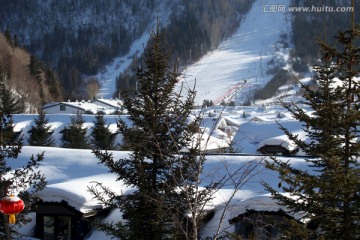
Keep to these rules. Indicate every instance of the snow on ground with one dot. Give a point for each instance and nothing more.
(70, 172)
(23, 123)
(243, 56)
(250, 125)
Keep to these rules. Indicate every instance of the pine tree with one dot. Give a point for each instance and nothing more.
(9, 103)
(52, 80)
(40, 134)
(36, 67)
(101, 137)
(163, 178)
(74, 136)
(9, 37)
(329, 194)
(42, 97)
(26, 180)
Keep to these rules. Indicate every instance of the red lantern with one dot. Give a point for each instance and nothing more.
(11, 205)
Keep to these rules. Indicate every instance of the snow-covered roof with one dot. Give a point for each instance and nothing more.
(81, 106)
(261, 203)
(75, 191)
(67, 183)
(106, 106)
(212, 123)
(282, 141)
(114, 103)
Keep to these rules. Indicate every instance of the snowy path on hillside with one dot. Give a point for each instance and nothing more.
(243, 56)
(107, 78)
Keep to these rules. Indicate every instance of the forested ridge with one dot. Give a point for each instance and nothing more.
(78, 38)
(26, 82)
(307, 29)
(307, 26)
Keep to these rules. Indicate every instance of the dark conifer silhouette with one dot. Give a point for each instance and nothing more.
(165, 180)
(328, 196)
(40, 134)
(101, 137)
(74, 136)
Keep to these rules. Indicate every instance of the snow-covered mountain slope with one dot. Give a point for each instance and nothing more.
(107, 78)
(243, 56)
(241, 60)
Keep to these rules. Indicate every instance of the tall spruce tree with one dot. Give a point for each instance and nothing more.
(26, 181)
(74, 136)
(101, 137)
(36, 67)
(9, 103)
(164, 179)
(40, 134)
(329, 194)
(8, 133)
(54, 85)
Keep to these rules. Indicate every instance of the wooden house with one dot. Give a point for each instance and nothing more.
(70, 108)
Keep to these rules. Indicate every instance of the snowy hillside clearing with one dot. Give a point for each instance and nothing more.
(239, 64)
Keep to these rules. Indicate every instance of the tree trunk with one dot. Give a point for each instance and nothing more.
(6, 227)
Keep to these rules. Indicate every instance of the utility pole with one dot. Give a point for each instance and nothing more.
(261, 67)
(256, 71)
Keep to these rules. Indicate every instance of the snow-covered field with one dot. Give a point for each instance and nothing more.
(221, 73)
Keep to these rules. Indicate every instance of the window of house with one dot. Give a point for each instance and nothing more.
(62, 107)
(56, 221)
(49, 227)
